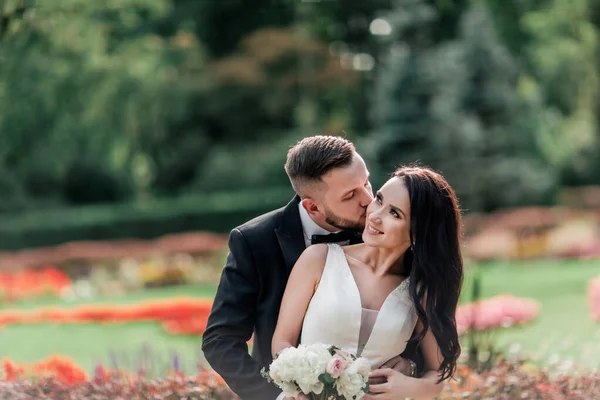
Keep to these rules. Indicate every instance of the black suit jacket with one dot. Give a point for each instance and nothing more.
(261, 255)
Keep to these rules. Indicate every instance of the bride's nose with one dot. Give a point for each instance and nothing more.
(375, 217)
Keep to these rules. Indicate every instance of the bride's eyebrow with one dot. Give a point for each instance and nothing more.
(397, 209)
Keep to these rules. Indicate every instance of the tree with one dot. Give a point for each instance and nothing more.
(508, 148)
(454, 106)
(562, 53)
(255, 91)
(90, 82)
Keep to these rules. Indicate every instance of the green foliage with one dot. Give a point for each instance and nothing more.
(255, 91)
(245, 166)
(563, 56)
(455, 106)
(217, 212)
(87, 82)
(128, 100)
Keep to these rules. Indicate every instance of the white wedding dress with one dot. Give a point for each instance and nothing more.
(335, 315)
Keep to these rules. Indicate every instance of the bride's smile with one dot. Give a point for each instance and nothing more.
(372, 230)
(388, 218)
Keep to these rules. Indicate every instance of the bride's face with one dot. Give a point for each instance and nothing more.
(388, 217)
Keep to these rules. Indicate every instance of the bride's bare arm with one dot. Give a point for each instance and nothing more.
(398, 385)
(426, 387)
(300, 288)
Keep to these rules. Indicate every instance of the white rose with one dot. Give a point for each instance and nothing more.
(289, 389)
(298, 369)
(363, 367)
(311, 364)
(351, 383)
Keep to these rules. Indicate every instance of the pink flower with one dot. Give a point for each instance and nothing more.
(336, 366)
(500, 311)
(344, 356)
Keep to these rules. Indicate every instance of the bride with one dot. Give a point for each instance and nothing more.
(403, 282)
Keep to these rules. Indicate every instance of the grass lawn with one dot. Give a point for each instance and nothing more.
(563, 329)
(88, 344)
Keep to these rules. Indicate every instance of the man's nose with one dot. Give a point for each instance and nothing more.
(367, 197)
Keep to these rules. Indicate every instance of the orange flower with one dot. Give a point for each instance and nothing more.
(179, 315)
(62, 368)
(12, 371)
(30, 283)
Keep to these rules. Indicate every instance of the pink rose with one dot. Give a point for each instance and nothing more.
(335, 367)
(344, 356)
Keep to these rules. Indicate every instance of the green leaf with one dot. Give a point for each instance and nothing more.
(265, 374)
(326, 379)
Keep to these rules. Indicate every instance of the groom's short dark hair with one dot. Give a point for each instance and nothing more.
(313, 157)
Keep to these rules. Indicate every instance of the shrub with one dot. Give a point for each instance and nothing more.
(213, 212)
(58, 377)
(517, 379)
(203, 386)
(507, 380)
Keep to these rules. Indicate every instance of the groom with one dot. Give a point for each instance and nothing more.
(263, 251)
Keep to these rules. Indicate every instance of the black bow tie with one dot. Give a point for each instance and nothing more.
(343, 236)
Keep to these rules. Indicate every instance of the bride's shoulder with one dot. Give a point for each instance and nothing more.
(316, 252)
(313, 258)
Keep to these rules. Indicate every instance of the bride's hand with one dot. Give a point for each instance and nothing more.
(390, 389)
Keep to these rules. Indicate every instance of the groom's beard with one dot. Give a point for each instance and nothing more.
(344, 224)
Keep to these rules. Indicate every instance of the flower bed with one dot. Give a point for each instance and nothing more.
(30, 283)
(59, 378)
(59, 367)
(188, 316)
(177, 315)
(496, 312)
(175, 388)
(508, 380)
(515, 379)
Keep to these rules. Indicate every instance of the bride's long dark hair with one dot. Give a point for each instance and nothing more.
(434, 260)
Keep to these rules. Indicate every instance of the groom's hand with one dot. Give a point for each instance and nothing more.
(398, 363)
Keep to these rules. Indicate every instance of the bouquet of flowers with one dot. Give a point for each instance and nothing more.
(319, 371)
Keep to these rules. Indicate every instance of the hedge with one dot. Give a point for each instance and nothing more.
(216, 212)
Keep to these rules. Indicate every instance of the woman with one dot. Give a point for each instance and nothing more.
(370, 298)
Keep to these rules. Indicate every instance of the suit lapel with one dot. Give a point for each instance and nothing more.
(290, 234)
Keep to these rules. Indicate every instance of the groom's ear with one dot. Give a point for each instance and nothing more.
(311, 206)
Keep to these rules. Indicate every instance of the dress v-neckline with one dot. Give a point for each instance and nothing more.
(400, 286)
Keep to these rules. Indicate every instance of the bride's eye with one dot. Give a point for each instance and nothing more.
(395, 213)
(378, 198)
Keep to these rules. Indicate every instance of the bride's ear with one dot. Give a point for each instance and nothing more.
(311, 207)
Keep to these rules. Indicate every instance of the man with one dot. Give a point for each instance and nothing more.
(333, 190)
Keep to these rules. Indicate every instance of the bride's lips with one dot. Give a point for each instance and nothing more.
(372, 230)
